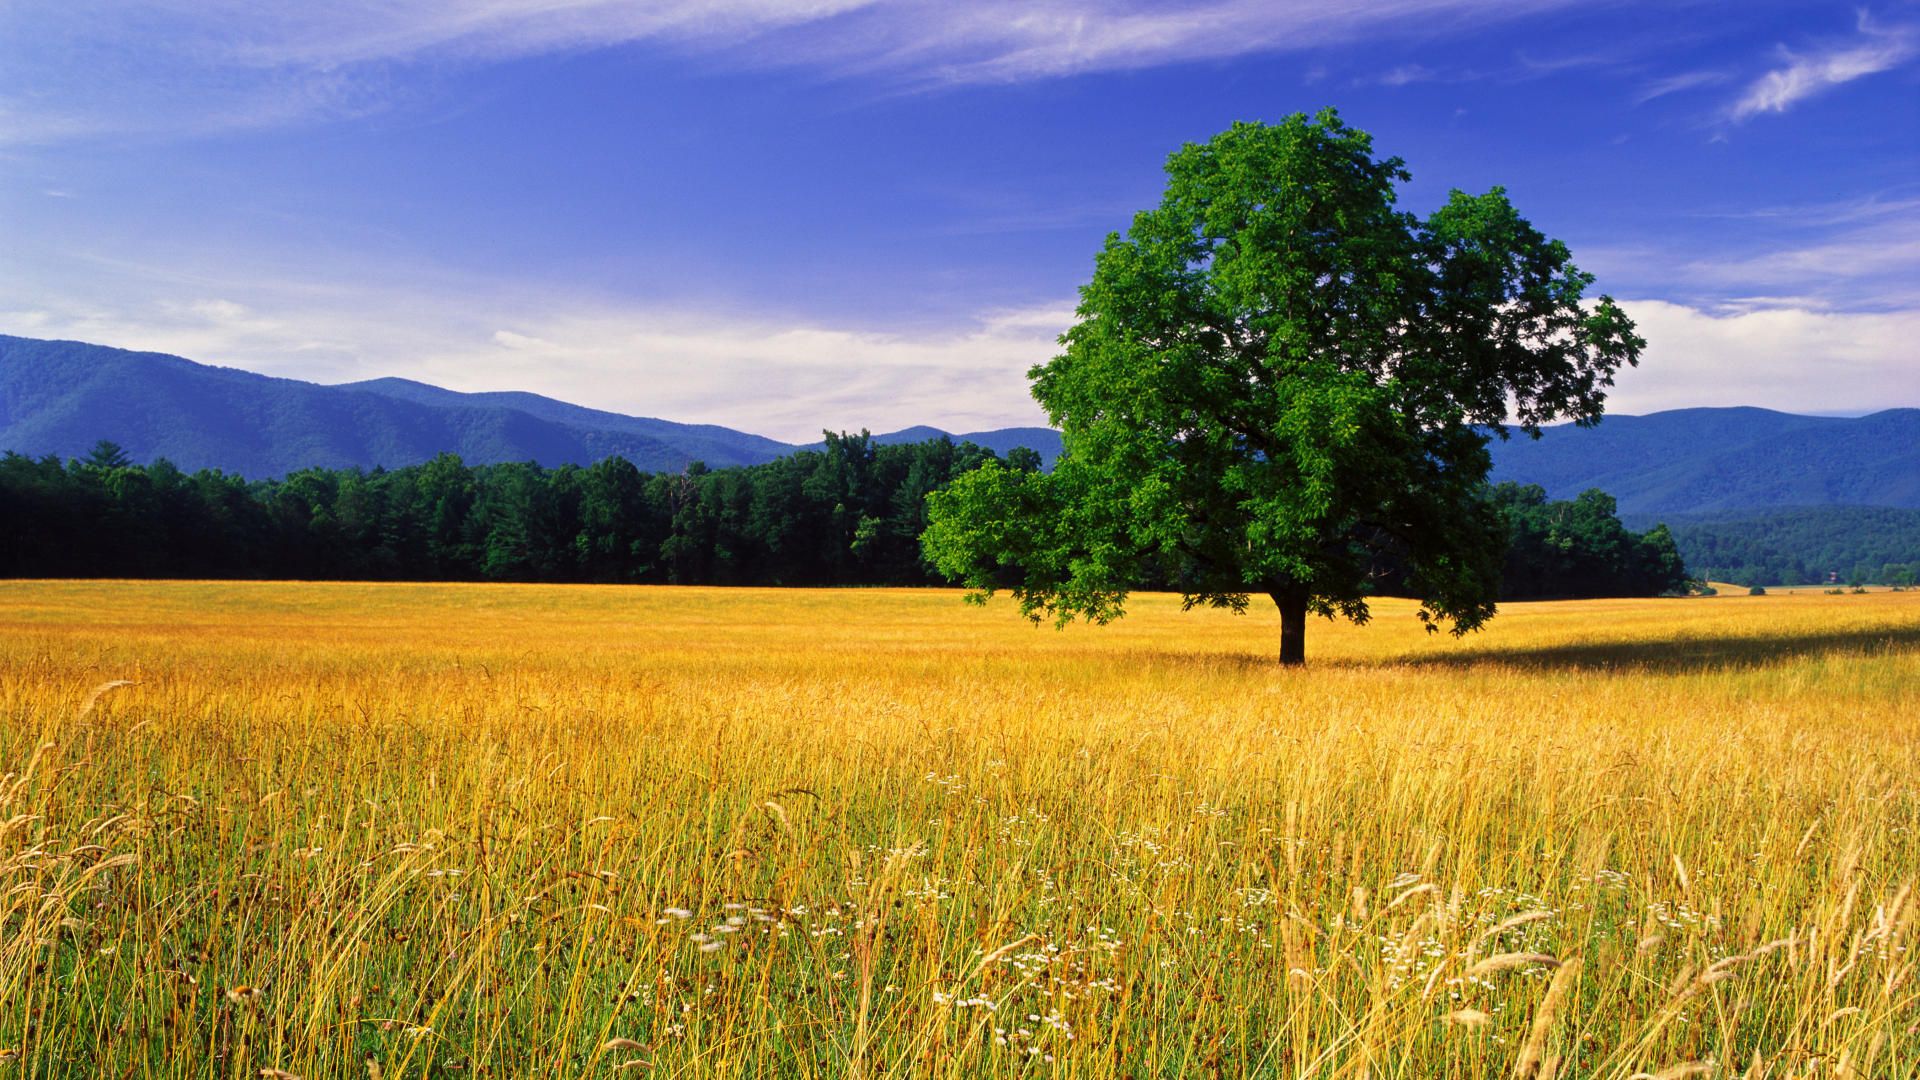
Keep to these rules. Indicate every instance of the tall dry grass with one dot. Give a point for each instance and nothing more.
(386, 831)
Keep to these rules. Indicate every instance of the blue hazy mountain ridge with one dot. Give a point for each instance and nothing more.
(1043, 441)
(1706, 461)
(715, 445)
(60, 397)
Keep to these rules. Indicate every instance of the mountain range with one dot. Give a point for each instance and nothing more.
(61, 397)
(1710, 461)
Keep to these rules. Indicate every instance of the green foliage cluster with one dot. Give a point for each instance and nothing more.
(1580, 548)
(1807, 545)
(850, 514)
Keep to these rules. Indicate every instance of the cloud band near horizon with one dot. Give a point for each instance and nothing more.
(790, 381)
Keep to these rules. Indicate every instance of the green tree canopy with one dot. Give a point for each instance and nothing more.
(107, 455)
(1281, 383)
(1580, 548)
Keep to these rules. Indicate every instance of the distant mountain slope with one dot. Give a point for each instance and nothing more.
(710, 443)
(1694, 461)
(60, 397)
(1042, 441)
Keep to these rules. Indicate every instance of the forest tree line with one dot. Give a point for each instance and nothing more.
(1809, 545)
(848, 514)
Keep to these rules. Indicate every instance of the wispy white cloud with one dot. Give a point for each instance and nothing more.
(1788, 358)
(1858, 254)
(785, 380)
(790, 380)
(1876, 206)
(353, 31)
(114, 67)
(1679, 83)
(788, 375)
(1529, 65)
(784, 377)
(1406, 75)
(1848, 258)
(1805, 75)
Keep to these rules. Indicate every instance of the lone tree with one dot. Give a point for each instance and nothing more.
(1280, 383)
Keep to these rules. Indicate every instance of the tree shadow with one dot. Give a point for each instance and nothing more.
(1666, 656)
(1682, 655)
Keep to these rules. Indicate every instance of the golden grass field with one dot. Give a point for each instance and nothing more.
(473, 830)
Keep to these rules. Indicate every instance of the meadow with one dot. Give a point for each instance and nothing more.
(373, 831)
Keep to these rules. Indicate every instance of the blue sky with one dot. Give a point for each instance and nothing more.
(783, 215)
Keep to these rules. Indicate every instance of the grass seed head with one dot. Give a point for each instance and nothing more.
(1509, 961)
(1678, 1072)
(1469, 1018)
(94, 695)
(1529, 1063)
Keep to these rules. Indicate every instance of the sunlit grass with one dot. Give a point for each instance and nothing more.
(347, 830)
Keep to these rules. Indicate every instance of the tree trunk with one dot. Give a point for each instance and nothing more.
(1293, 626)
